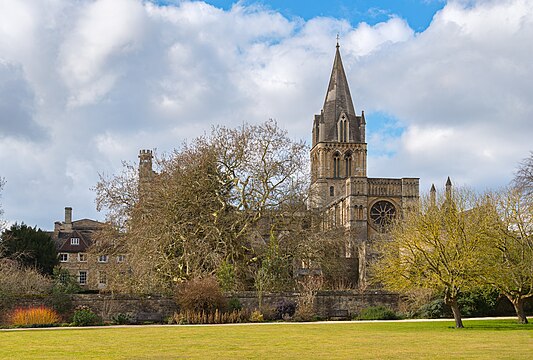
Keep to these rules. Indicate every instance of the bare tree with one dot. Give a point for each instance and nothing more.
(211, 203)
(524, 175)
(2, 221)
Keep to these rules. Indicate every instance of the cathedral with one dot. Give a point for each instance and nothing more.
(340, 187)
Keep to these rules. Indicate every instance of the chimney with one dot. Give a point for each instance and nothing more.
(68, 218)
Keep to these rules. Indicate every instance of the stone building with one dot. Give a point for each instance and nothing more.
(340, 186)
(73, 240)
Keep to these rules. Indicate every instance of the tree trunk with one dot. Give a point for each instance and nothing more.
(452, 303)
(519, 308)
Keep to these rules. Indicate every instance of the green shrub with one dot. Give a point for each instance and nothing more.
(234, 304)
(200, 294)
(436, 309)
(226, 276)
(121, 319)
(84, 316)
(479, 302)
(377, 313)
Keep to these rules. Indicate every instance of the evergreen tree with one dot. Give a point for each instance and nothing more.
(30, 247)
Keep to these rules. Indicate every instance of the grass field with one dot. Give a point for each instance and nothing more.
(481, 339)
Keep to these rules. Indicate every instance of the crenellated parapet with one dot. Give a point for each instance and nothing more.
(146, 172)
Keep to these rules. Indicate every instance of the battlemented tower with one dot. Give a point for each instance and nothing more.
(146, 172)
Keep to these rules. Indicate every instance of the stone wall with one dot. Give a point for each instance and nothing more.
(139, 309)
(327, 304)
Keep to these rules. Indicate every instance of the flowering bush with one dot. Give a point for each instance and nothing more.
(33, 317)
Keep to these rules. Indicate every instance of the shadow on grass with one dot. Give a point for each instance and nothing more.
(498, 325)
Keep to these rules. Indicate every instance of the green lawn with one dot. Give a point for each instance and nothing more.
(481, 339)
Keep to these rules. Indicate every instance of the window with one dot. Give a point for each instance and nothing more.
(63, 257)
(331, 191)
(342, 129)
(382, 215)
(348, 160)
(74, 241)
(102, 258)
(336, 166)
(82, 257)
(121, 258)
(82, 277)
(102, 278)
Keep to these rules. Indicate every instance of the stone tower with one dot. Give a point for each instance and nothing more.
(340, 187)
(145, 171)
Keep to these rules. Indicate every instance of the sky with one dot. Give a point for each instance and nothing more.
(84, 85)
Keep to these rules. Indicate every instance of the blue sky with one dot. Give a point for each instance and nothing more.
(445, 85)
(418, 13)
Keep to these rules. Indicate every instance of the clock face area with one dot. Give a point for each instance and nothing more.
(382, 213)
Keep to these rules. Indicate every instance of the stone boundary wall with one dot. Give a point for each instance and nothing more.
(327, 304)
(139, 309)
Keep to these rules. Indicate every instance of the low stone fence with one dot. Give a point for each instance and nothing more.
(139, 309)
(327, 304)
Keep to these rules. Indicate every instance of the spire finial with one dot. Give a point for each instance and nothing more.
(338, 37)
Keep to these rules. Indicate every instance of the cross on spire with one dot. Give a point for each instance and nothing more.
(338, 37)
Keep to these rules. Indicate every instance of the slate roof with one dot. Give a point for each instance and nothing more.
(339, 100)
(64, 244)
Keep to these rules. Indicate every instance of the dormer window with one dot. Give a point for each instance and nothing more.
(74, 241)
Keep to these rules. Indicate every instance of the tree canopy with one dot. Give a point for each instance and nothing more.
(30, 247)
(212, 208)
(436, 247)
(508, 256)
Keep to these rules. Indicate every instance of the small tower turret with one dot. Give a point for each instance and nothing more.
(433, 196)
(448, 189)
(145, 170)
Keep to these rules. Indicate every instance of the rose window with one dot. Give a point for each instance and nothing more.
(382, 214)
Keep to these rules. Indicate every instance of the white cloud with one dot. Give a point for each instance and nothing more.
(461, 89)
(95, 81)
(106, 30)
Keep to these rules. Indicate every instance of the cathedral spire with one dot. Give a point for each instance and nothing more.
(338, 98)
(340, 123)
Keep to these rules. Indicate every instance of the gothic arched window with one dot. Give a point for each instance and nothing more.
(348, 162)
(342, 129)
(336, 165)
